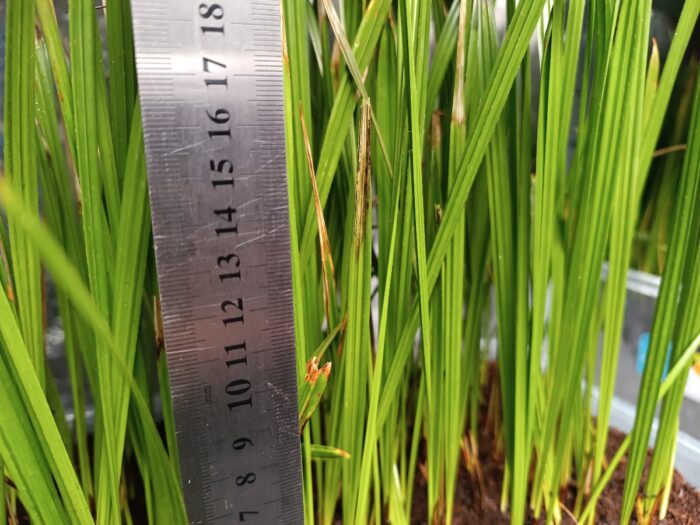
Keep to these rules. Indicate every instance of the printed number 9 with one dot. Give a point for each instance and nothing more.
(220, 116)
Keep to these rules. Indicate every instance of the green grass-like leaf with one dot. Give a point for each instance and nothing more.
(436, 210)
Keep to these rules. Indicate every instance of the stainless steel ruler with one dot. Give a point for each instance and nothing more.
(211, 87)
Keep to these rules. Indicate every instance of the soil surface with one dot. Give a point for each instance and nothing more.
(474, 506)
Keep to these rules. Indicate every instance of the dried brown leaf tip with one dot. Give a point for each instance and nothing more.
(362, 181)
(311, 390)
(327, 265)
(313, 372)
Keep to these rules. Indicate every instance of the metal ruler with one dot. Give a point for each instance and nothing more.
(211, 87)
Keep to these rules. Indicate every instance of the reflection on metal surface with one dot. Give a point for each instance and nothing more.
(210, 81)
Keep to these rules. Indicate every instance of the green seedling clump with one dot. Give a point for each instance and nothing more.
(460, 172)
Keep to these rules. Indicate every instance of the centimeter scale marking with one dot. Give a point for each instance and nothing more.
(211, 88)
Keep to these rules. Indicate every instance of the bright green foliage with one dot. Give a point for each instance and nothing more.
(677, 320)
(482, 193)
(687, 324)
(75, 193)
(443, 175)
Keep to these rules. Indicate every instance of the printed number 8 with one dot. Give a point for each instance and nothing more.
(213, 10)
(245, 480)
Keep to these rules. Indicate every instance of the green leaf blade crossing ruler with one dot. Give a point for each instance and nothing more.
(211, 87)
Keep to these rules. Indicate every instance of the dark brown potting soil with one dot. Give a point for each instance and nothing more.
(478, 503)
(474, 506)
